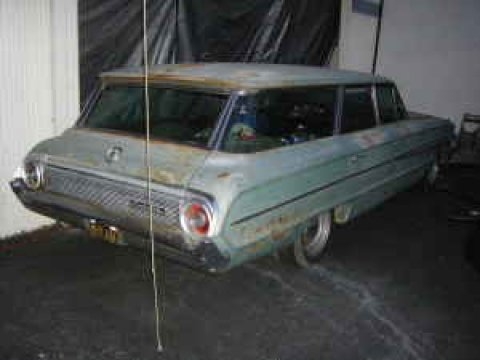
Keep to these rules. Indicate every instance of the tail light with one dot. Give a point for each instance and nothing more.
(196, 218)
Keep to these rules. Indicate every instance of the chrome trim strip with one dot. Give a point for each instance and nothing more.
(373, 94)
(180, 193)
(226, 119)
(335, 182)
(111, 196)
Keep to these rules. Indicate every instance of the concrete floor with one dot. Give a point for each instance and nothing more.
(394, 284)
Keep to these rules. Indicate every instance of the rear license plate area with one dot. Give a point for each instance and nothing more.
(108, 233)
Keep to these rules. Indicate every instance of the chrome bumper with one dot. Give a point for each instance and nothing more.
(68, 201)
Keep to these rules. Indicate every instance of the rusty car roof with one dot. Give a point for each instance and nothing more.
(240, 76)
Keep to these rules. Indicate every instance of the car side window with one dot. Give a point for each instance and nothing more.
(387, 106)
(281, 117)
(400, 106)
(357, 112)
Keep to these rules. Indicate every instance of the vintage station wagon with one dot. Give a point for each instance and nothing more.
(246, 159)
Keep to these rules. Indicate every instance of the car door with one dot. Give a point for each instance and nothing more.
(368, 164)
(413, 144)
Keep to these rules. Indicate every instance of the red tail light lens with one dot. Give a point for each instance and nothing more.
(196, 219)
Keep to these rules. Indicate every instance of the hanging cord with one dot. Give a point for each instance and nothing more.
(148, 164)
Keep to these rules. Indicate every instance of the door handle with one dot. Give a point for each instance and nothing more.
(355, 158)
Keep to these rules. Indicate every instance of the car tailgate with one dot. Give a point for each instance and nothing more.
(113, 153)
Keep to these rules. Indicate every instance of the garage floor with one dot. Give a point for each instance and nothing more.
(394, 284)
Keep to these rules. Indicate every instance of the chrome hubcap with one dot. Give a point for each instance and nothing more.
(316, 235)
(433, 173)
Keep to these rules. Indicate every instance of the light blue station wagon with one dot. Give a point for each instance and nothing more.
(246, 159)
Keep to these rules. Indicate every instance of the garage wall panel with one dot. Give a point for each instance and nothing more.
(34, 93)
(357, 39)
(65, 63)
(431, 48)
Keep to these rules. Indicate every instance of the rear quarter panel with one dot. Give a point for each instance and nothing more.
(264, 197)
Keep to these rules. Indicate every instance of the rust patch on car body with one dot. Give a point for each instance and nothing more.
(223, 175)
(281, 235)
(239, 76)
(258, 247)
(277, 229)
(174, 80)
(370, 138)
(163, 176)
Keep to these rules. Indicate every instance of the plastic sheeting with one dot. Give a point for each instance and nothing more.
(270, 31)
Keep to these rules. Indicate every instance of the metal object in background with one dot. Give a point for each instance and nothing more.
(366, 7)
(465, 132)
(377, 36)
(461, 182)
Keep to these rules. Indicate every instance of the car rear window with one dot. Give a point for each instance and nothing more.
(276, 118)
(176, 115)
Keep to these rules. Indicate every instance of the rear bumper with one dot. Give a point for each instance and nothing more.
(168, 242)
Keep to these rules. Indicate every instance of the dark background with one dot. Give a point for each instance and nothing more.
(268, 31)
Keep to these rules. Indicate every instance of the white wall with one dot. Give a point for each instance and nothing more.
(431, 48)
(357, 39)
(39, 96)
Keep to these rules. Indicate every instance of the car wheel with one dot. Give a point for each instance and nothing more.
(311, 244)
(437, 169)
(432, 174)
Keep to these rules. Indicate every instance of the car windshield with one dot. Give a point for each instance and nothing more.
(178, 115)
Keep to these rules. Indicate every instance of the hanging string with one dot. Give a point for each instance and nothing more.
(148, 164)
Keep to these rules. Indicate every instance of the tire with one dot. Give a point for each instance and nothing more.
(432, 175)
(437, 170)
(310, 245)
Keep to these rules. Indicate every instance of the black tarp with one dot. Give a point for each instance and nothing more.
(271, 31)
